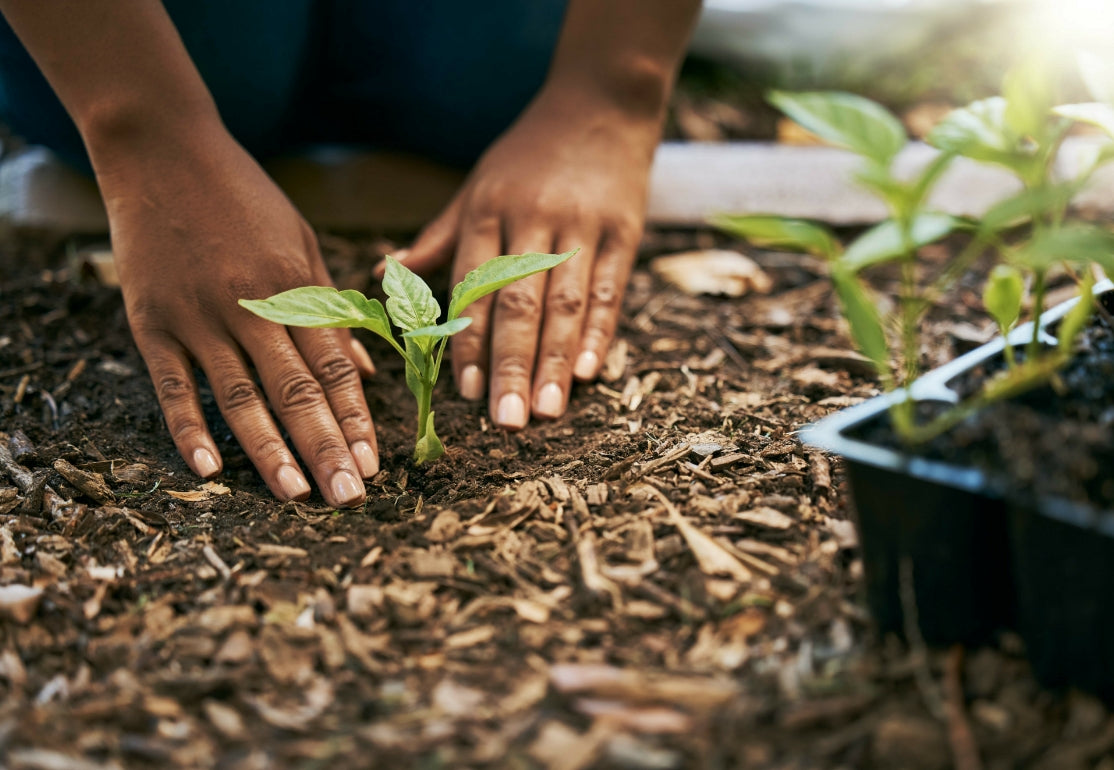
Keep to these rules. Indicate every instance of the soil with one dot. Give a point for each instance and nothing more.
(661, 578)
(1062, 429)
(1054, 441)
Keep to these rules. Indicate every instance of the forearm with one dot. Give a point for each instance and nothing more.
(119, 68)
(624, 51)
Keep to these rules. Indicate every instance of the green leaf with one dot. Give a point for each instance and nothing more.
(428, 446)
(1028, 93)
(846, 120)
(1002, 295)
(1076, 243)
(447, 329)
(884, 242)
(1027, 205)
(1072, 323)
(781, 233)
(863, 318)
(497, 273)
(323, 307)
(410, 301)
(923, 185)
(980, 131)
(1092, 113)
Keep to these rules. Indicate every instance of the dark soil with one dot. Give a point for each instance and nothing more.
(663, 578)
(1055, 441)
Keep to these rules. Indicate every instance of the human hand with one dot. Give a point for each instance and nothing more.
(195, 228)
(569, 174)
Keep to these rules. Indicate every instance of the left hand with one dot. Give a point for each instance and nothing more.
(568, 174)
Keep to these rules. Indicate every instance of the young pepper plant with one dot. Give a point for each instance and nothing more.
(876, 136)
(411, 307)
(1022, 130)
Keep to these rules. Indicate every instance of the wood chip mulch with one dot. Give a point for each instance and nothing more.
(663, 578)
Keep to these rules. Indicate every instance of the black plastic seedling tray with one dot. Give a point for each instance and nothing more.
(962, 556)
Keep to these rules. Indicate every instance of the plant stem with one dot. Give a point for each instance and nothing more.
(1038, 306)
(425, 406)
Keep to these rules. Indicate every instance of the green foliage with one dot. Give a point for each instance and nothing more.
(1030, 232)
(1072, 323)
(846, 120)
(889, 240)
(782, 233)
(1003, 294)
(412, 308)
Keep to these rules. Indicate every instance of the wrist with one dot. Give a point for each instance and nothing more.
(636, 86)
(115, 129)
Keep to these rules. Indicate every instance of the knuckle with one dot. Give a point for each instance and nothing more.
(173, 388)
(514, 366)
(606, 294)
(468, 345)
(238, 393)
(626, 230)
(335, 369)
(266, 448)
(517, 302)
(566, 301)
(299, 390)
(325, 450)
(489, 197)
(353, 423)
(182, 429)
(556, 360)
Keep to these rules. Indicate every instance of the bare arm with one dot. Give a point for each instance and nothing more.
(118, 67)
(196, 225)
(571, 173)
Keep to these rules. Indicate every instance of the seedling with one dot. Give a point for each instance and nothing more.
(1021, 131)
(869, 130)
(411, 307)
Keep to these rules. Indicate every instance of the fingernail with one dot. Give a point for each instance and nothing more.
(205, 463)
(346, 488)
(401, 254)
(292, 483)
(586, 365)
(472, 382)
(550, 401)
(366, 461)
(511, 412)
(361, 358)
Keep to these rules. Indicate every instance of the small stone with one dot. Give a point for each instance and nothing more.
(446, 526)
(364, 601)
(704, 450)
(20, 602)
(226, 719)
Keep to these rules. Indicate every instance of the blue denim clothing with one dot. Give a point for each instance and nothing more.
(441, 78)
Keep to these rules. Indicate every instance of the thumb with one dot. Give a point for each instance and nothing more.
(435, 244)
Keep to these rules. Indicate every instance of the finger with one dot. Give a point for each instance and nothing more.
(247, 416)
(605, 301)
(434, 245)
(515, 322)
(172, 374)
(480, 240)
(355, 349)
(299, 401)
(324, 351)
(360, 357)
(566, 304)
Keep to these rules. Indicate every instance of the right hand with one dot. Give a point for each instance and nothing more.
(196, 226)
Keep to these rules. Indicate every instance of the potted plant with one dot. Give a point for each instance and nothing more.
(956, 543)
